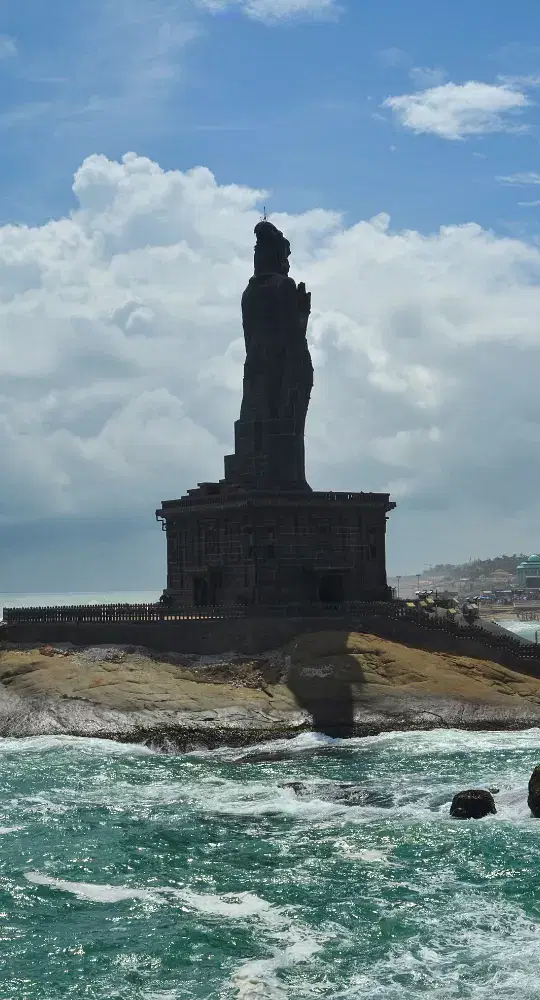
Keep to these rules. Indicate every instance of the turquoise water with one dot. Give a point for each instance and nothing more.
(130, 875)
(526, 630)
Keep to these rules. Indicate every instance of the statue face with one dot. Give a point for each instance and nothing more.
(272, 249)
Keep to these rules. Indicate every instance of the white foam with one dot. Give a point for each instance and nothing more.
(414, 743)
(257, 978)
(258, 799)
(297, 744)
(366, 855)
(9, 829)
(235, 907)
(162, 995)
(93, 892)
(231, 906)
(82, 744)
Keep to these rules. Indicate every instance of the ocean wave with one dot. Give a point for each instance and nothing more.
(415, 742)
(77, 744)
(191, 876)
(473, 948)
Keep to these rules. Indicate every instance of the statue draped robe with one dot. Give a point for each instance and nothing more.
(278, 373)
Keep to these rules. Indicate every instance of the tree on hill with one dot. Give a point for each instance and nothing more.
(476, 568)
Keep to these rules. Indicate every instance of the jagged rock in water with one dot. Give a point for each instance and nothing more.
(474, 803)
(533, 798)
(343, 793)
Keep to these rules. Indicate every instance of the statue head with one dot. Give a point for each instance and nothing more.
(272, 250)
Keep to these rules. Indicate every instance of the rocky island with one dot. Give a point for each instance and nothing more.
(335, 682)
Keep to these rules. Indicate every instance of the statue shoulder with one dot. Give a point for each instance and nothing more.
(278, 280)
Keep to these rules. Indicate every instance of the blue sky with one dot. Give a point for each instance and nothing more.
(294, 105)
(397, 146)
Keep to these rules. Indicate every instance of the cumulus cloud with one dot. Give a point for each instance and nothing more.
(276, 10)
(454, 111)
(121, 358)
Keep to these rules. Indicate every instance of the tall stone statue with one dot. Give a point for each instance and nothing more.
(278, 374)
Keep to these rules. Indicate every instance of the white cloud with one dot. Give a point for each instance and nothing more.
(524, 178)
(8, 47)
(454, 111)
(121, 359)
(276, 10)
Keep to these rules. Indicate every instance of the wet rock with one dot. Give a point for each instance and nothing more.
(343, 793)
(474, 803)
(533, 798)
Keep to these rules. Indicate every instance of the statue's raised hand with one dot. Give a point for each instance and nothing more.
(304, 301)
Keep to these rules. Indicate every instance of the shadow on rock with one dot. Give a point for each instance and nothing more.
(324, 688)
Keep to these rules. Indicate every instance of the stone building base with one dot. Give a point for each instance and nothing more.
(227, 546)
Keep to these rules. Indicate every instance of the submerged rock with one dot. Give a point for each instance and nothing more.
(474, 803)
(344, 793)
(533, 798)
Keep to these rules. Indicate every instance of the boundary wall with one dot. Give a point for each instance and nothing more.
(251, 635)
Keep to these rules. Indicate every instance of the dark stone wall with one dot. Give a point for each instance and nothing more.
(271, 552)
(245, 635)
(257, 635)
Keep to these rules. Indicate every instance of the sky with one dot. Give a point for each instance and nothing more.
(395, 144)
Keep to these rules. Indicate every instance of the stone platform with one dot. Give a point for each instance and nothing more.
(229, 546)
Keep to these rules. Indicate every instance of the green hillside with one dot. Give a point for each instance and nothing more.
(476, 568)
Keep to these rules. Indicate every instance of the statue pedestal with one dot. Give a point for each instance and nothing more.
(227, 546)
(268, 455)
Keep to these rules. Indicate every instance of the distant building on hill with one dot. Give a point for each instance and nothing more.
(528, 574)
(499, 578)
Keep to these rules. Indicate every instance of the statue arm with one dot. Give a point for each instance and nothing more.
(304, 306)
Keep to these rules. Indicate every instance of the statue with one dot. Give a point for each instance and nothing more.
(278, 374)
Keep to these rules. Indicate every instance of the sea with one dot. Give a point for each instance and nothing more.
(130, 874)
(29, 600)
